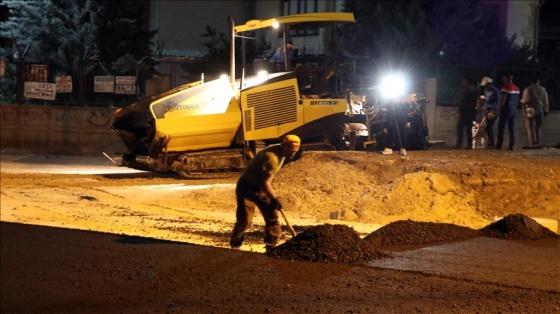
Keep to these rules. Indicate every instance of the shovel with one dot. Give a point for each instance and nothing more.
(292, 230)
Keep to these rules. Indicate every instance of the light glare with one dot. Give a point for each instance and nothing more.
(393, 86)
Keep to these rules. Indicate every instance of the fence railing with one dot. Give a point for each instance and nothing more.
(180, 72)
(449, 80)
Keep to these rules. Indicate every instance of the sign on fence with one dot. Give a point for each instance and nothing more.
(39, 90)
(125, 89)
(125, 85)
(63, 84)
(103, 84)
(125, 80)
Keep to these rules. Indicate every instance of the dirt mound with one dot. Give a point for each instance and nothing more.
(408, 232)
(372, 188)
(327, 243)
(517, 227)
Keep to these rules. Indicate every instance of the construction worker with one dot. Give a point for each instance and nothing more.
(254, 189)
(535, 102)
(507, 111)
(468, 98)
(278, 58)
(491, 99)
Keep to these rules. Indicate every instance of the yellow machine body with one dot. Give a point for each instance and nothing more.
(204, 116)
(272, 110)
(213, 126)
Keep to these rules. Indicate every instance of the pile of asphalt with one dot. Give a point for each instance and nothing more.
(408, 232)
(329, 244)
(517, 227)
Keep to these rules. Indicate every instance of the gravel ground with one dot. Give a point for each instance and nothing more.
(52, 270)
(122, 268)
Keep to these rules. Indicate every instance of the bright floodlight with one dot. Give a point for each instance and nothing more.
(224, 77)
(393, 86)
(275, 25)
(263, 74)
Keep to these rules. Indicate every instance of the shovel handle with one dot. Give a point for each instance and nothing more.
(292, 231)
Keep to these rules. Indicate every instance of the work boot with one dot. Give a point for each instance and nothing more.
(387, 151)
(268, 248)
(236, 247)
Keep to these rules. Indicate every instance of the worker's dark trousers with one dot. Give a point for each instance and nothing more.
(509, 119)
(465, 122)
(248, 197)
(490, 132)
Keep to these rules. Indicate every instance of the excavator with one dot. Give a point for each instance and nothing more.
(215, 127)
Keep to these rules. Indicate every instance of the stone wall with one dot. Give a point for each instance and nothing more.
(445, 121)
(58, 129)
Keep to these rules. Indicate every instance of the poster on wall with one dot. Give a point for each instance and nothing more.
(64, 84)
(125, 85)
(39, 90)
(103, 84)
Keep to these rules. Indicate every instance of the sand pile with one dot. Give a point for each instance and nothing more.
(517, 227)
(343, 186)
(321, 183)
(407, 232)
(327, 243)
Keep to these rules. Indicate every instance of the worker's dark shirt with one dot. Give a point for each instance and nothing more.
(467, 101)
(268, 160)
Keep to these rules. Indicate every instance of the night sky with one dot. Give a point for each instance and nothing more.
(549, 13)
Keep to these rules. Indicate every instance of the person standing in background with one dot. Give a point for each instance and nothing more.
(491, 105)
(467, 112)
(535, 103)
(507, 111)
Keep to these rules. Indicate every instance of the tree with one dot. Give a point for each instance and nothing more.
(65, 33)
(394, 35)
(120, 39)
(59, 33)
(469, 33)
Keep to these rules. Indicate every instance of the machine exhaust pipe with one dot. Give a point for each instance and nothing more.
(231, 51)
(145, 160)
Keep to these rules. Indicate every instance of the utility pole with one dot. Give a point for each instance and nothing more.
(538, 5)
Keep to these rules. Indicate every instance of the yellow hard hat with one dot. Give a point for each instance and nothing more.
(292, 140)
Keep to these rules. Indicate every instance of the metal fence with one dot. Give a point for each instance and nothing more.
(84, 94)
(181, 72)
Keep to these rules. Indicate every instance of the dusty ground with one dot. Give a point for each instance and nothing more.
(365, 191)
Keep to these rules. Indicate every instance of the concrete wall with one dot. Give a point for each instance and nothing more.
(445, 121)
(442, 122)
(58, 129)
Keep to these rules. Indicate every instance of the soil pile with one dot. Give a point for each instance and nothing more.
(329, 244)
(374, 189)
(407, 232)
(517, 227)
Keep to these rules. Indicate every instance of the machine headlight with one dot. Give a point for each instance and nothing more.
(393, 86)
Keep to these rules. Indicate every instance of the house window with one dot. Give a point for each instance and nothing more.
(290, 7)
